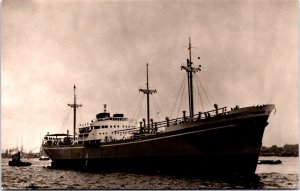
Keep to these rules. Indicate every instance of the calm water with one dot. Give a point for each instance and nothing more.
(38, 176)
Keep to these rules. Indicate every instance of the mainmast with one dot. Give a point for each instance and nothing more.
(148, 92)
(190, 69)
(74, 106)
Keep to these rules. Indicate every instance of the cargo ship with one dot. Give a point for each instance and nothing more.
(219, 141)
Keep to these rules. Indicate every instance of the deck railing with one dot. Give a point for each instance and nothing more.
(184, 119)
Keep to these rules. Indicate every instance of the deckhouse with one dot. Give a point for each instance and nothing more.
(106, 128)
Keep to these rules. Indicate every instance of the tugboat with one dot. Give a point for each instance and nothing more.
(218, 141)
(16, 161)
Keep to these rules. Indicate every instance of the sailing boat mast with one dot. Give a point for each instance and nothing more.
(148, 92)
(190, 69)
(74, 106)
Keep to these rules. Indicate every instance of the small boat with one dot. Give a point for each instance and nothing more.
(17, 162)
(44, 158)
(269, 162)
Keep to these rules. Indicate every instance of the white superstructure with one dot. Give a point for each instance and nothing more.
(106, 129)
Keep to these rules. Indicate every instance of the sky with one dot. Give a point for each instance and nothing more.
(248, 53)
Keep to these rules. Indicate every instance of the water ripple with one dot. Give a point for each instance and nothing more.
(39, 177)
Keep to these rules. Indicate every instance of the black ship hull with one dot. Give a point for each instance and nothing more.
(225, 144)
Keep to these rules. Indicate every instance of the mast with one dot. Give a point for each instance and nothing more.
(191, 81)
(21, 145)
(148, 92)
(190, 69)
(74, 106)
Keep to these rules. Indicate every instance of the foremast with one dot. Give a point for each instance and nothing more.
(74, 106)
(190, 70)
(148, 92)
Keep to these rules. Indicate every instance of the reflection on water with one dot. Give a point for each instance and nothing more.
(40, 177)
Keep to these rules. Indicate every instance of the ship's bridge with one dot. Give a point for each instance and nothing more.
(106, 116)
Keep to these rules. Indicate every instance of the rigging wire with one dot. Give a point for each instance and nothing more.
(163, 103)
(204, 91)
(182, 95)
(182, 84)
(156, 108)
(82, 118)
(138, 106)
(218, 91)
(156, 105)
(138, 110)
(201, 102)
(65, 121)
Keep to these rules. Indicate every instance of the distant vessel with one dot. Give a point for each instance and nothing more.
(211, 142)
(269, 162)
(16, 161)
(44, 158)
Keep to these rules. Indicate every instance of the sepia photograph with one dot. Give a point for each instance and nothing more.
(149, 94)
